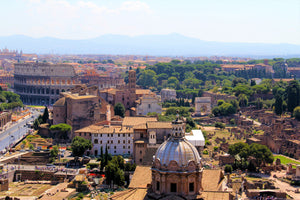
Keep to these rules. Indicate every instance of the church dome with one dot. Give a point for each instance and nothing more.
(179, 150)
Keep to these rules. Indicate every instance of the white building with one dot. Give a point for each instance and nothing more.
(119, 140)
(148, 103)
(168, 94)
(196, 138)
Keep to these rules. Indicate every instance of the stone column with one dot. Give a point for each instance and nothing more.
(163, 184)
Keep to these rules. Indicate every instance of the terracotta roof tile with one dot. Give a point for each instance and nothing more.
(133, 121)
(141, 178)
(159, 124)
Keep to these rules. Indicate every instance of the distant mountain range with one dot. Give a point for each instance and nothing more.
(157, 45)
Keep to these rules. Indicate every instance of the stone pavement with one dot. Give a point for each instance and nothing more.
(290, 190)
(58, 192)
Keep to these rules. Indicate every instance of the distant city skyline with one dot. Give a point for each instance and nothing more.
(256, 21)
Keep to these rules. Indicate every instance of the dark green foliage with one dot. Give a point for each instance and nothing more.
(147, 79)
(53, 153)
(79, 145)
(45, 116)
(62, 129)
(228, 169)
(119, 109)
(219, 125)
(114, 171)
(224, 109)
(9, 100)
(293, 95)
(243, 100)
(102, 164)
(261, 153)
(183, 111)
(278, 105)
(296, 113)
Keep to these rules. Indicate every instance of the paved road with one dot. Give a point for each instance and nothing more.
(14, 132)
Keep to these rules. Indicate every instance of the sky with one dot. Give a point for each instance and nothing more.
(251, 21)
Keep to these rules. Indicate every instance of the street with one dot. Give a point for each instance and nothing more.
(15, 131)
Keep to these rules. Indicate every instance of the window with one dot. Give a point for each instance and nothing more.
(79, 134)
(96, 135)
(191, 187)
(141, 160)
(123, 147)
(100, 141)
(149, 106)
(128, 141)
(157, 185)
(141, 152)
(123, 141)
(100, 135)
(141, 135)
(129, 152)
(173, 187)
(123, 134)
(84, 134)
(108, 147)
(115, 151)
(118, 141)
(107, 141)
(128, 147)
(119, 135)
(96, 152)
(112, 142)
(115, 147)
(96, 141)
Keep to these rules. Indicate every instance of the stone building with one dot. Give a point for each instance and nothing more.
(177, 168)
(168, 95)
(41, 83)
(147, 104)
(5, 117)
(80, 108)
(7, 78)
(122, 94)
(91, 78)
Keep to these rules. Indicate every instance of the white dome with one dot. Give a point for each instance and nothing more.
(179, 150)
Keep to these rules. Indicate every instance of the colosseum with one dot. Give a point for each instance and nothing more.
(41, 83)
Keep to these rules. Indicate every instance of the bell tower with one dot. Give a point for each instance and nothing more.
(132, 87)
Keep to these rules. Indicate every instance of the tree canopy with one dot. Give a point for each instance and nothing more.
(79, 145)
(119, 109)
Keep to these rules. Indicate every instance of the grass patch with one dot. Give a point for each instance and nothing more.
(284, 160)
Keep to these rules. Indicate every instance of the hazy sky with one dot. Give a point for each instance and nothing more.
(267, 21)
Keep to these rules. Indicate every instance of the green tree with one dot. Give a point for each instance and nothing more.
(63, 130)
(278, 105)
(147, 79)
(36, 124)
(45, 116)
(119, 109)
(296, 113)
(243, 100)
(102, 165)
(228, 169)
(261, 153)
(241, 149)
(79, 145)
(219, 125)
(293, 95)
(54, 152)
(114, 175)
